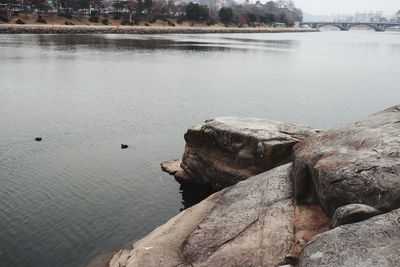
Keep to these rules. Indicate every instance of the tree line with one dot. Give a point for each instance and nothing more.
(132, 11)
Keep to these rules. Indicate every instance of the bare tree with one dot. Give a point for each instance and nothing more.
(132, 6)
(288, 4)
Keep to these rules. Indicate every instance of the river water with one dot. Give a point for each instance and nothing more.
(76, 194)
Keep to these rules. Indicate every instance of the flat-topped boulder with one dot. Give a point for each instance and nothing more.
(253, 223)
(369, 243)
(358, 163)
(223, 151)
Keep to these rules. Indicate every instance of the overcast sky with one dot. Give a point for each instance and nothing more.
(329, 7)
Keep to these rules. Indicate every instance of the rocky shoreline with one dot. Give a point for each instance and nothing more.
(64, 29)
(288, 196)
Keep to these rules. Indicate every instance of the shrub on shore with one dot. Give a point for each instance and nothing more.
(19, 21)
(170, 23)
(210, 22)
(226, 15)
(104, 21)
(94, 19)
(196, 12)
(40, 19)
(116, 15)
(251, 19)
(4, 19)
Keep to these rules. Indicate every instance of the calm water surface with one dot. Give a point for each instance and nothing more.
(77, 194)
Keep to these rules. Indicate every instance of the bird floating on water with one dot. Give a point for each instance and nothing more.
(124, 146)
(38, 139)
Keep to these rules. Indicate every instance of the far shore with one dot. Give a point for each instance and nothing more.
(88, 29)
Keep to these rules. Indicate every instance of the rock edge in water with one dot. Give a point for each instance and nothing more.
(223, 151)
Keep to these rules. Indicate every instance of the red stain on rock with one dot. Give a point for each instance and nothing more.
(309, 221)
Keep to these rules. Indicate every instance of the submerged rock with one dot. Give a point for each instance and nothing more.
(369, 243)
(357, 163)
(253, 223)
(226, 150)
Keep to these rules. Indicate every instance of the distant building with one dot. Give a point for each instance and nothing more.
(369, 17)
(342, 18)
(279, 25)
(210, 3)
(361, 17)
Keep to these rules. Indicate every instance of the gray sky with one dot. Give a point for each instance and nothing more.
(329, 7)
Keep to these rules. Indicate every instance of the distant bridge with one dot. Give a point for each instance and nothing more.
(345, 26)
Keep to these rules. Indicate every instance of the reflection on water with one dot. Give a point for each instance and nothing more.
(135, 42)
(76, 194)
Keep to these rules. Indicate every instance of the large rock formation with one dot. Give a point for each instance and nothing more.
(373, 242)
(253, 223)
(352, 172)
(357, 163)
(226, 150)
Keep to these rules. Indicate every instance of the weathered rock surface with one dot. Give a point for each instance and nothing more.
(162, 247)
(226, 150)
(173, 167)
(353, 213)
(369, 243)
(357, 163)
(253, 223)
